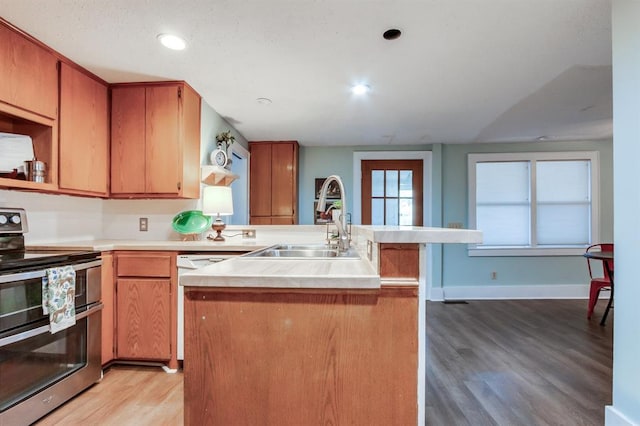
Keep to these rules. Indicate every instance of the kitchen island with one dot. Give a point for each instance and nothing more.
(312, 341)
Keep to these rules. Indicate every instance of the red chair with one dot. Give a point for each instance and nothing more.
(598, 283)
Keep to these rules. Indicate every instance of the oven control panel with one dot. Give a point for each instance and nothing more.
(13, 221)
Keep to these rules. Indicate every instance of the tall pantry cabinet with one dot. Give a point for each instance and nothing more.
(273, 183)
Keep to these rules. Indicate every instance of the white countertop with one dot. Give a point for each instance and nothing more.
(417, 234)
(285, 273)
(282, 273)
(321, 273)
(275, 234)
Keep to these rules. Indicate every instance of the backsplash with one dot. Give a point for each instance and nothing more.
(68, 218)
(57, 217)
(121, 218)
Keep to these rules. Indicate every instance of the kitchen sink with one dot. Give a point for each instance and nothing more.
(298, 251)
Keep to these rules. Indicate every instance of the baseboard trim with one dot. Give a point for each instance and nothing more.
(560, 291)
(613, 417)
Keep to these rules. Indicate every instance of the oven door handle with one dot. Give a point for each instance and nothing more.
(45, 328)
(40, 273)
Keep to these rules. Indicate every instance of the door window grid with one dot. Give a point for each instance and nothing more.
(391, 197)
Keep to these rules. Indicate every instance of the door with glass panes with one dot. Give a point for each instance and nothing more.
(392, 192)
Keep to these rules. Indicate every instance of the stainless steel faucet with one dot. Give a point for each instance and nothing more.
(341, 222)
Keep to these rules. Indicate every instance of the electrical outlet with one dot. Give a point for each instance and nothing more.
(248, 233)
(143, 224)
(494, 275)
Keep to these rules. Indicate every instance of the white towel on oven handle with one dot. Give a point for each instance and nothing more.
(58, 297)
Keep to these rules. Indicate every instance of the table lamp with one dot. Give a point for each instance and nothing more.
(216, 200)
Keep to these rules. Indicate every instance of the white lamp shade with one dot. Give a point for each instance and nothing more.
(216, 200)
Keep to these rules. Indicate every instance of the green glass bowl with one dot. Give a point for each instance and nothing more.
(191, 222)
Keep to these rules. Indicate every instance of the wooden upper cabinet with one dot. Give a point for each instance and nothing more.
(28, 74)
(84, 133)
(273, 183)
(155, 140)
(128, 140)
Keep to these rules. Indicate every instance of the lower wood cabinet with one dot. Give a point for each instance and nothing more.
(399, 260)
(108, 321)
(301, 356)
(146, 303)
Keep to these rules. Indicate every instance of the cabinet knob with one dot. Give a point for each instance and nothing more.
(178, 185)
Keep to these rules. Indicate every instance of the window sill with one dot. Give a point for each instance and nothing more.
(528, 251)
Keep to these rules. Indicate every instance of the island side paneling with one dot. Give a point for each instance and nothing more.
(292, 357)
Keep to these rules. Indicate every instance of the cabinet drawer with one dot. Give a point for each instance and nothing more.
(147, 265)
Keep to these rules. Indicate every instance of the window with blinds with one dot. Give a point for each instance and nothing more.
(533, 203)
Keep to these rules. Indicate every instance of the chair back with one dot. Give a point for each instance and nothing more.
(600, 247)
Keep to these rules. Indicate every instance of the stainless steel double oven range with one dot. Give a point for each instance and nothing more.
(39, 370)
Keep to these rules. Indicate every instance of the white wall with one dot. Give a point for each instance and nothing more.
(121, 218)
(625, 409)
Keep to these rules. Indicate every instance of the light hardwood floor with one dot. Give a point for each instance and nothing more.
(505, 363)
(127, 395)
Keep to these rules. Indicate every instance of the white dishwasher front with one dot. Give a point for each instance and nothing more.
(189, 262)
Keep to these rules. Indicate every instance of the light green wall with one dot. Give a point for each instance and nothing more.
(211, 124)
(320, 162)
(451, 265)
(626, 130)
(462, 270)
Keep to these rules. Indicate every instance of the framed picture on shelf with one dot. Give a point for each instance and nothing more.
(333, 192)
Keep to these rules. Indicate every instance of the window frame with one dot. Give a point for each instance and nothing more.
(532, 157)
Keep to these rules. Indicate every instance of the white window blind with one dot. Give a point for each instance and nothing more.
(563, 202)
(533, 203)
(503, 202)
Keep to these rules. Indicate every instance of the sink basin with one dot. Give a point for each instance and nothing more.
(303, 247)
(299, 251)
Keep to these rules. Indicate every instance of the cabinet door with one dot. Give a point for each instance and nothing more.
(127, 140)
(282, 220)
(260, 220)
(108, 322)
(260, 179)
(190, 103)
(283, 179)
(143, 318)
(84, 141)
(399, 260)
(28, 74)
(162, 149)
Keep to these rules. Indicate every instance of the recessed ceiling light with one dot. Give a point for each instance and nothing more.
(392, 34)
(263, 101)
(542, 138)
(360, 89)
(172, 41)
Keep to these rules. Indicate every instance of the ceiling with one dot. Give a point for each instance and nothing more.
(463, 71)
